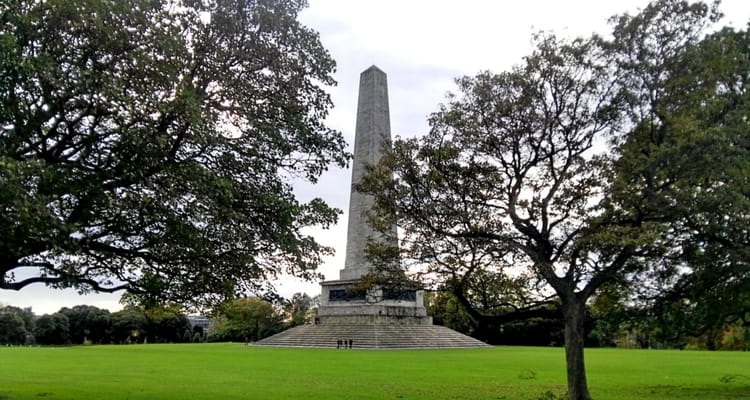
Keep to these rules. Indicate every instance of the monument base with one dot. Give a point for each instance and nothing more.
(363, 319)
(340, 304)
(372, 320)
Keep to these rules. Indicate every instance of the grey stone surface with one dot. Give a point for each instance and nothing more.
(373, 309)
(372, 136)
(372, 337)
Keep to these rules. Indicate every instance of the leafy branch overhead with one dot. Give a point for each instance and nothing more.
(150, 145)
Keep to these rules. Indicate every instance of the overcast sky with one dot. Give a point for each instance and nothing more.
(423, 45)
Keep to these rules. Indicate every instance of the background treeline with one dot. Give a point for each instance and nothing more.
(609, 323)
(245, 319)
(84, 324)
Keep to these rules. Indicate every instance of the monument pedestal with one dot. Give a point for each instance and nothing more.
(340, 305)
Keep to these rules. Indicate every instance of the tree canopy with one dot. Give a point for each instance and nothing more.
(150, 145)
(299, 309)
(246, 319)
(88, 323)
(16, 326)
(618, 160)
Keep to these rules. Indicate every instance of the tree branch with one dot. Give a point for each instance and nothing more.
(96, 286)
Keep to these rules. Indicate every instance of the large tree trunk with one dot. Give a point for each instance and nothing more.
(574, 313)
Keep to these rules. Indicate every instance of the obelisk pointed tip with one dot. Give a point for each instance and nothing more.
(373, 68)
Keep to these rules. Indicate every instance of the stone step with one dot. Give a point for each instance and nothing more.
(372, 337)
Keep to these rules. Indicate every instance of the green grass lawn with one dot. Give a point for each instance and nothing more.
(235, 371)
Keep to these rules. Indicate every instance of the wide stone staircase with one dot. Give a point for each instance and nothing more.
(376, 336)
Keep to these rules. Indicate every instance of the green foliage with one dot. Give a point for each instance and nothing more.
(447, 311)
(16, 326)
(245, 320)
(687, 164)
(88, 323)
(52, 329)
(129, 326)
(299, 309)
(150, 145)
(84, 324)
(154, 324)
(611, 314)
(167, 324)
(12, 328)
(735, 337)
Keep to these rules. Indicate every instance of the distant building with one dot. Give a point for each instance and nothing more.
(201, 321)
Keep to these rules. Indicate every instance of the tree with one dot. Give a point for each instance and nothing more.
(447, 311)
(129, 325)
(588, 164)
(710, 288)
(13, 330)
(504, 180)
(52, 329)
(299, 309)
(246, 319)
(694, 135)
(150, 145)
(167, 324)
(611, 315)
(26, 315)
(88, 323)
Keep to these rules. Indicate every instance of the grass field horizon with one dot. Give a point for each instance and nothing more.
(234, 371)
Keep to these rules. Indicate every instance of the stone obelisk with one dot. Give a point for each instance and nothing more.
(340, 304)
(372, 137)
